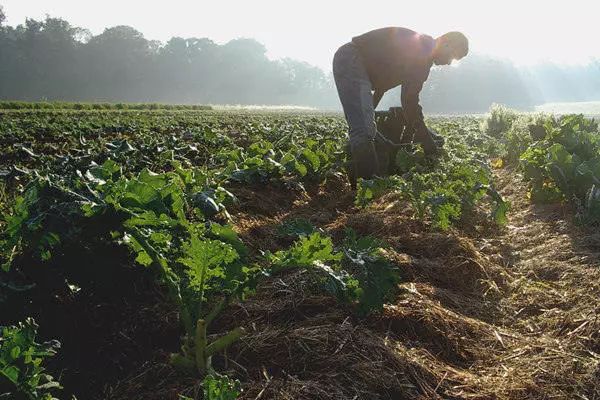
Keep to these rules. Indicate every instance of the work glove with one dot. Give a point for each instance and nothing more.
(437, 138)
(426, 138)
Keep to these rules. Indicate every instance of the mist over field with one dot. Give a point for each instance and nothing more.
(52, 59)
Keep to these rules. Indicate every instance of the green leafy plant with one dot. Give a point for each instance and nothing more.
(219, 387)
(316, 254)
(524, 131)
(445, 189)
(377, 278)
(357, 275)
(565, 164)
(22, 372)
(296, 227)
(153, 215)
(371, 189)
(306, 252)
(500, 120)
(442, 190)
(213, 268)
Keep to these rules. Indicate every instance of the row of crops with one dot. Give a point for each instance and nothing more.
(90, 199)
(559, 157)
(61, 106)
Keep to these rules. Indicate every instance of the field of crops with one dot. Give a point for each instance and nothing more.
(198, 254)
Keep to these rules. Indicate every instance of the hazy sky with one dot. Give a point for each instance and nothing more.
(525, 31)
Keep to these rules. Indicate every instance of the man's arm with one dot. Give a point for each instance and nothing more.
(414, 116)
(410, 104)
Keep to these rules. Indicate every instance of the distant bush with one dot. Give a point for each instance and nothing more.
(22, 105)
(500, 120)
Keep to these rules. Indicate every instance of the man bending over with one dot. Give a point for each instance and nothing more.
(372, 63)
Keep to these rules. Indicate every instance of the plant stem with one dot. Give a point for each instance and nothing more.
(224, 341)
(217, 309)
(168, 277)
(183, 363)
(200, 347)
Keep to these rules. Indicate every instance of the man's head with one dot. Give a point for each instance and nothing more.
(448, 47)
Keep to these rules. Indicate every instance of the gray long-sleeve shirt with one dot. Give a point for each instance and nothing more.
(398, 56)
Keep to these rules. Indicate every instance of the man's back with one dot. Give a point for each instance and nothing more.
(394, 56)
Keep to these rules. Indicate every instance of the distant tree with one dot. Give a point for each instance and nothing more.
(7, 56)
(55, 51)
(38, 59)
(307, 82)
(204, 69)
(186, 69)
(117, 62)
(51, 59)
(243, 67)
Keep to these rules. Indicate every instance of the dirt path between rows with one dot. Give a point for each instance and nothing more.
(551, 303)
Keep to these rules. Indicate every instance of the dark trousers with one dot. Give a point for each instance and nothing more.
(354, 89)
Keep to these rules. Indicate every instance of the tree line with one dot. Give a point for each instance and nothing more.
(53, 60)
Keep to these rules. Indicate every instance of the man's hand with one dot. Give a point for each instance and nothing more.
(427, 139)
(437, 138)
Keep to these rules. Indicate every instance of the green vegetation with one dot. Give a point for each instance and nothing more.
(147, 213)
(220, 388)
(357, 274)
(55, 105)
(559, 157)
(446, 188)
(499, 121)
(159, 196)
(22, 359)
